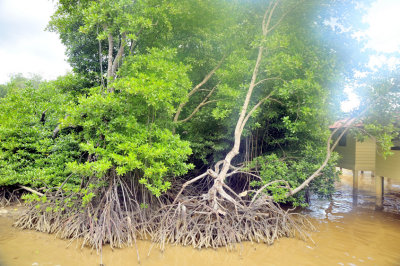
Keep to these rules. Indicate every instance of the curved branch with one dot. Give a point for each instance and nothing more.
(253, 110)
(242, 115)
(204, 102)
(197, 87)
(267, 185)
(208, 172)
(57, 129)
(267, 79)
(329, 149)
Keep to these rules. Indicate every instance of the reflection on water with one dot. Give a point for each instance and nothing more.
(344, 200)
(347, 234)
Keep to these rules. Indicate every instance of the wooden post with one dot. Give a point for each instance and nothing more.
(379, 190)
(355, 179)
(355, 187)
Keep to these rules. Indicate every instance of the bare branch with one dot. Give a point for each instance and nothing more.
(247, 173)
(57, 129)
(190, 182)
(100, 60)
(43, 117)
(275, 100)
(267, 79)
(197, 87)
(265, 16)
(110, 57)
(282, 17)
(31, 190)
(119, 55)
(267, 185)
(265, 26)
(347, 125)
(204, 102)
(240, 122)
(253, 110)
(217, 165)
(195, 111)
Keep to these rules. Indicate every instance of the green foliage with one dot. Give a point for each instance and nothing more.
(73, 84)
(28, 153)
(170, 46)
(155, 78)
(3, 91)
(127, 131)
(295, 171)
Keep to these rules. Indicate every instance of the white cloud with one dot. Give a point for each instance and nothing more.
(378, 61)
(383, 33)
(25, 46)
(352, 101)
(335, 25)
(360, 74)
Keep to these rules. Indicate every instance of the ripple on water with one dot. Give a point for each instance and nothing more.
(347, 234)
(5, 232)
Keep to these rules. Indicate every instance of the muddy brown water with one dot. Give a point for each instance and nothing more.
(346, 235)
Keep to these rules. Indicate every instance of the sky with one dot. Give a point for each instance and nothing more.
(383, 39)
(384, 24)
(25, 46)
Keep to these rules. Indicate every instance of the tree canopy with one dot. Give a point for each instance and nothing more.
(230, 98)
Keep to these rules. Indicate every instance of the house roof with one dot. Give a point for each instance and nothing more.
(345, 123)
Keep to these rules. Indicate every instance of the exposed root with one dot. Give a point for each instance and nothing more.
(9, 195)
(192, 221)
(114, 217)
(215, 219)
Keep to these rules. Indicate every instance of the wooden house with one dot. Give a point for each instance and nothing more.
(388, 168)
(366, 156)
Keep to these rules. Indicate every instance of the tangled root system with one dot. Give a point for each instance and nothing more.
(9, 195)
(193, 222)
(115, 217)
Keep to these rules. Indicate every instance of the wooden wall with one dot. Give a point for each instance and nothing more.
(347, 153)
(365, 155)
(389, 168)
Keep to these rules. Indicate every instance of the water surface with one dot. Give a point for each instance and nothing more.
(346, 235)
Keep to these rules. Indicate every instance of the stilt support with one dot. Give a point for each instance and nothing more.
(355, 187)
(379, 190)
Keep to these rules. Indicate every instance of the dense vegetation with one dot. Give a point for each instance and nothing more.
(228, 100)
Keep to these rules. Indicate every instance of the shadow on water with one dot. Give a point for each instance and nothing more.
(347, 234)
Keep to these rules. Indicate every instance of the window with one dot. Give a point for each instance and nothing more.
(396, 145)
(342, 141)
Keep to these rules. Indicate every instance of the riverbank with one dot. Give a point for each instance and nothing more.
(346, 235)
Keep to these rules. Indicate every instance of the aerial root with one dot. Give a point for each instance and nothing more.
(192, 221)
(114, 218)
(9, 195)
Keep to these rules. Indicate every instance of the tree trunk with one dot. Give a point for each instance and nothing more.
(219, 181)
